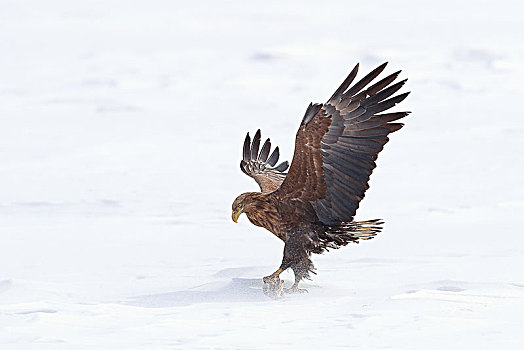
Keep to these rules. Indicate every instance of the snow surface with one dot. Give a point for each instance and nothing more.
(121, 127)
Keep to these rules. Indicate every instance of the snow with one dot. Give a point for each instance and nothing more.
(121, 132)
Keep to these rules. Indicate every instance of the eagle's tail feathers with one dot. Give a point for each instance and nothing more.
(340, 235)
(360, 229)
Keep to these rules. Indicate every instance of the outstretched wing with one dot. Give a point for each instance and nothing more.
(337, 144)
(261, 166)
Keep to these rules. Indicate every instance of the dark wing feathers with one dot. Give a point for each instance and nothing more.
(259, 167)
(345, 84)
(264, 153)
(311, 111)
(247, 148)
(273, 159)
(383, 94)
(337, 145)
(373, 89)
(282, 166)
(363, 82)
(255, 145)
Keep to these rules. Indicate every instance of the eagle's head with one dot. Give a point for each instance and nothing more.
(238, 206)
(241, 205)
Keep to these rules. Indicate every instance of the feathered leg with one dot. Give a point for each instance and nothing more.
(301, 271)
(295, 257)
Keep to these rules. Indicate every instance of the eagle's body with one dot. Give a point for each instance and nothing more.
(275, 215)
(311, 208)
(262, 211)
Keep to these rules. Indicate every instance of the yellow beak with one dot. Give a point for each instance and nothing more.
(236, 214)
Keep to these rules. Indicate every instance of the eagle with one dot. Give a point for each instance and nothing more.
(311, 207)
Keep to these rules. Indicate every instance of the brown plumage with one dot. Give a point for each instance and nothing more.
(311, 208)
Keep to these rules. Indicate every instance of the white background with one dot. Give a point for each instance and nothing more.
(121, 130)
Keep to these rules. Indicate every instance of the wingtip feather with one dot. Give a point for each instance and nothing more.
(273, 159)
(247, 148)
(255, 145)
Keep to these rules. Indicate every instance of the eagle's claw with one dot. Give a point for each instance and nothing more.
(272, 286)
(295, 289)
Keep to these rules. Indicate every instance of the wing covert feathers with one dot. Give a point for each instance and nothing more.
(338, 142)
(259, 166)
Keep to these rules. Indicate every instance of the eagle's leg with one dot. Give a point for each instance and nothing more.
(274, 276)
(301, 271)
(296, 256)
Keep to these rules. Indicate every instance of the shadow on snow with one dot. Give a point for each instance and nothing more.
(236, 290)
